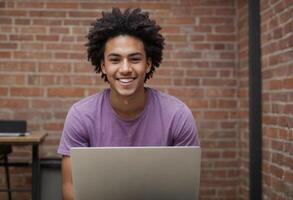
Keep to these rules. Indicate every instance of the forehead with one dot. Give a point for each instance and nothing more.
(124, 45)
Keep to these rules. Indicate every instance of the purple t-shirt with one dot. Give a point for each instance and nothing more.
(92, 122)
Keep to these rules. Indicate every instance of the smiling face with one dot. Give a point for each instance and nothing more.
(125, 65)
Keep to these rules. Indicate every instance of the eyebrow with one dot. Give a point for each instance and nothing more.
(130, 55)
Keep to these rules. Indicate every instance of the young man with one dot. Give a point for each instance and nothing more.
(125, 47)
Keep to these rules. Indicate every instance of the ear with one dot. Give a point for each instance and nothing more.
(103, 67)
(149, 65)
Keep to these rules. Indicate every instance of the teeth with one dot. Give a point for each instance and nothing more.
(125, 80)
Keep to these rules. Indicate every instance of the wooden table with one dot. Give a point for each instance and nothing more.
(33, 139)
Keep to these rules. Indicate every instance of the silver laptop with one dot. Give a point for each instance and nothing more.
(136, 173)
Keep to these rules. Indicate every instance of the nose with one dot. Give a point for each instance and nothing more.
(125, 67)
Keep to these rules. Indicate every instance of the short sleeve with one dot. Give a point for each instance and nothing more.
(184, 128)
(74, 132)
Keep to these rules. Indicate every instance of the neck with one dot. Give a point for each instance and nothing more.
(128, 107)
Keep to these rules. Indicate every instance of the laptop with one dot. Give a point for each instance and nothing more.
(136, 173)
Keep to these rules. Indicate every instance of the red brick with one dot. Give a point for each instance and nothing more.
(288, 83)
(197, 38)
(58, 47)
(201, 73)
(182, 20)
(44, 13)
(17, 13)
(31, 46)
(217, 82)
(215, 92)
(77, 56)
(86, 68)
(78, 22)
(229, 155)
(227, 104)
(3, 91)
(202, 46)
(21, 37)
(79, 30)
(160, 81)
(8, 45)
(225, 29)
(58, 30)
(186, 92)
(215, 20)
(288, 176)
(22, 21)
(62, 5)
(47, 38)
(60, 115)
(65, 92)
(32, 55)
(211, 155)
(52, 126)
(24, 92)
(4, 54)
(11, 79)
(61, 55)
(225, 12)
(176, 38)
(13, 103)
(67, 38)
(54, 67)
(191, 81)
(81, 39)
(188, 55)
(5, 20)
(221, 38)
(79, 14)
(29, 5)
(33, 30)
(43, 22)
(216, 115)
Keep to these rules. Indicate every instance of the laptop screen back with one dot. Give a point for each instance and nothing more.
(127, 173)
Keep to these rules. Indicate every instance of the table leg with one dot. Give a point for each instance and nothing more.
(35, 172)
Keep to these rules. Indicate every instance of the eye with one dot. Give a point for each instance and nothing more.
(114, 60)
(135, 60)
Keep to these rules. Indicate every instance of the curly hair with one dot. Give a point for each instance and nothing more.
(134, 23)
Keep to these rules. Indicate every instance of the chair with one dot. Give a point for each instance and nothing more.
(9, 127)
(4, 151)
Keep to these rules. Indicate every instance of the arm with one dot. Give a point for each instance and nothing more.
(73, 135)
(67, 185)
(184, 128)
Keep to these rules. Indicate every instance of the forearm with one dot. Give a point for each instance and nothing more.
(67, 185)
(67, 191)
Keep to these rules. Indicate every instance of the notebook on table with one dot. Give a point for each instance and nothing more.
(131, 173)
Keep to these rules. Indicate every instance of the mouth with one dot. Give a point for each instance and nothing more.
(125, 81)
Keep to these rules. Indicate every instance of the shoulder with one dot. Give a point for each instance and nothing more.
(167, 101)
(88, 104)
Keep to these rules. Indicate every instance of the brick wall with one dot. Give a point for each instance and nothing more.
(277, 72)
(277, 94)
(242, 96)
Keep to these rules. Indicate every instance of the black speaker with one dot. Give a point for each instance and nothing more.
(13, 126)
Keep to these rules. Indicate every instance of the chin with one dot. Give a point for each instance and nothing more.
(125, 92)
